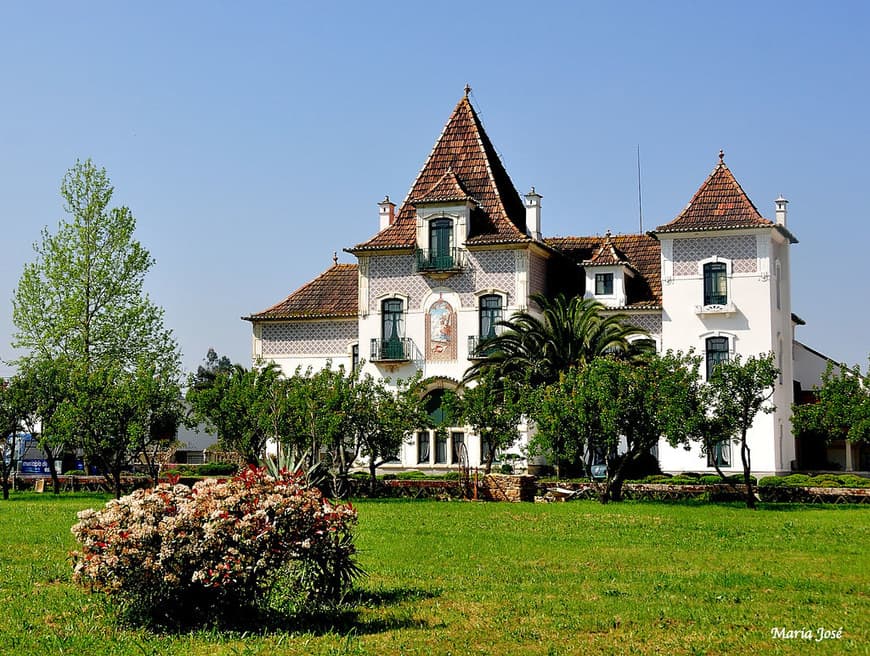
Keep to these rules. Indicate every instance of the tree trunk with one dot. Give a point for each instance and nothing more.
(373, 476)
(747, 480)
(5, 487)
(52, 469)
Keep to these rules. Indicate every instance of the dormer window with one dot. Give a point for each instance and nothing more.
(715, 283)
(604, 284)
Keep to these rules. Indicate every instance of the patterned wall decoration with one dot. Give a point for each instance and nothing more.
(394, 274)
(309, 338)
(740, 249)
(441, 332)
(537, 275)
(652, 323)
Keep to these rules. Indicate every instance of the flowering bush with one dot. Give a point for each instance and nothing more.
(178, 554)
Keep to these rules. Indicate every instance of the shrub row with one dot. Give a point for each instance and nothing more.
(822, 480)
(207, 469)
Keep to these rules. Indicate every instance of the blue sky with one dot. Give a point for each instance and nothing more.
(251, 140)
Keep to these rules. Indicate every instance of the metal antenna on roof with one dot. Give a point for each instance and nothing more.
(639, 194)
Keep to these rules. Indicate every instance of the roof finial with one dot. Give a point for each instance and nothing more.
(467, 89)
(721, 156)
(334, 258)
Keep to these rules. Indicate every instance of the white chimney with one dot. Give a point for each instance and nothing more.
(387, 213)
(781, 210)
(533, 214)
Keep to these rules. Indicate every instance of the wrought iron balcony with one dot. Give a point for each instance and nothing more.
(475, 352)
(396, 349)
(440, 261)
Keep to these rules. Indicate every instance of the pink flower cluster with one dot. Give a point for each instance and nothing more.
(218, 543)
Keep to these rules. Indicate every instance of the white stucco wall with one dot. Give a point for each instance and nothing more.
(753, 326)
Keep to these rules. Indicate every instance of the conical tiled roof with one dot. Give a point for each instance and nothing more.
(462, 161)
(334, 293)
(719, 204)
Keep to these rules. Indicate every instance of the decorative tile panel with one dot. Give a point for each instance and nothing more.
(308, 338)
(394, 274)
(441, 332)
(740, 249)
(652, 323)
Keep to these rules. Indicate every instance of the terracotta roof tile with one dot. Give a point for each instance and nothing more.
(448, 189)
(641, 252)
(607, 254)
(719, 204)
(334, 293)
(464, 150)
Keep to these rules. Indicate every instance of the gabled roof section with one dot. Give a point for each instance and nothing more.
(719, 204)
(463, 157)
(640, 252)
(448, 189)
(334, 293)
(607, 254)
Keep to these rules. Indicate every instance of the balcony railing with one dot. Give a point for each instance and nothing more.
(475, 352)
(428, 261)
(396, 349)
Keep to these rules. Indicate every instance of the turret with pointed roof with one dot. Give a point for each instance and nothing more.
(719, 204)
(463, 166)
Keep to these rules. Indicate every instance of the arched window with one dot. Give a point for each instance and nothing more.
(490, 315)
(441, 243)
(717, 351)
(715, 283)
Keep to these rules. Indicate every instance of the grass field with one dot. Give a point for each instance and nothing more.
(469, 578)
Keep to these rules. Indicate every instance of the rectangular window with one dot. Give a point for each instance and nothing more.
(715, 283)
(603, 284)
(354, 357)
(458, 446)
(490, 315)
(423, 447)
(717, 351)
(719, 454)
(440, 449)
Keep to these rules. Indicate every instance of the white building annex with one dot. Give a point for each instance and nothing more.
(464, 250)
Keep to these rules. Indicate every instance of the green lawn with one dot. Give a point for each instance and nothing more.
(470, 578)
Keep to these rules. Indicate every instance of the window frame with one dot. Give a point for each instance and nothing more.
(489, 313)
(720, 454)
(715, 278)
(602, 281)
(711, 360)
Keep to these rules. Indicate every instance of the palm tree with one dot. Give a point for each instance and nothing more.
(570, 333)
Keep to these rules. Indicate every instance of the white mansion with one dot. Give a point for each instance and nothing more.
(464, 250)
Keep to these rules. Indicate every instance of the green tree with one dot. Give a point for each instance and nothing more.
(736, 392)
(242, 406)
(493, 408)
(569, 333)
(11, 425)
(81, 305)
(617, 411)
(213, 364)
(82, 298)
(842, 408)
(562, 421)
(385, 419)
